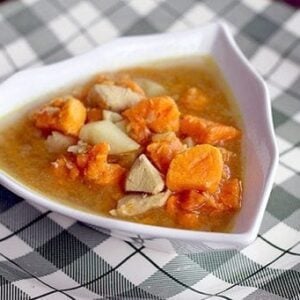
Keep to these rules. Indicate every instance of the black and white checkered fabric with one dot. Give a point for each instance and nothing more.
(44, 255)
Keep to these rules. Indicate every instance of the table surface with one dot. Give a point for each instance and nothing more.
(44, 255)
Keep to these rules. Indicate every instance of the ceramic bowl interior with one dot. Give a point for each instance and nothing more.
(247, 86)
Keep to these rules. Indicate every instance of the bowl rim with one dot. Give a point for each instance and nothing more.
(240, 239)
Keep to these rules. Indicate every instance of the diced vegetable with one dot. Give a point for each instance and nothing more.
(193, 99)
(144, 177)
(135, 204)
(105, 131)
(199, 168)
(163, 149)
(66, 115)
(230, 194)
(113, 97)
(111, 116)
(57, 142)
(90, 162)
(157, 115)
(93, 114)
(98, 170)
(151, 88)
(122, 125)
(205, 131)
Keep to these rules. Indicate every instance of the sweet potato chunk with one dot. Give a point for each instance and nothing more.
(205, 131)
(199, 168)
(93, 114)
(154, 115)
(66, 115)
(98, 170)
(193, 99)
(230, 194)
(91, 163)
(172, 205)
(187, 220)
(163, 149)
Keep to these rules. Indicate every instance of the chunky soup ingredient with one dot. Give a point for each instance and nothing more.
(144, 177)
(135, 204)
(64, 115)
(206, 131)
(156, 146)
(199, 167)
(106, 131)
(114, 97)
(153, 115)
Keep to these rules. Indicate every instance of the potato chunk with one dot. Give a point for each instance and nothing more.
(58, 142)
(66, 115)
(144, 177)
(151, 88)
(106, 131)
(135, 204)
(205, 131)
(154, 115)
(114, 97)
(198, 168)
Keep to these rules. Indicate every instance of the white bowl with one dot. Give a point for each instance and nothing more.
(249, 89)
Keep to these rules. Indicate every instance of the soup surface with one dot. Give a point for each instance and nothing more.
(168, 152)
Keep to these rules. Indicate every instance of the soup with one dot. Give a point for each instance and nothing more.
(158, 144)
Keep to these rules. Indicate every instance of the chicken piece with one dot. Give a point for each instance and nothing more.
(151, 88)
(199, 168)
(135, 204)
(163, 149)
(144, 177)
(66, 115)
(205, 131)
(116, 98)
(106, 131)
(154, 115)
(80, 148)
(98, 170)
(57, 142)
(193, 99)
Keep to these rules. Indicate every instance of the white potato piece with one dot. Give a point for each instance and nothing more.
(122, 125)
(111, 116)
(58, 142)
(106, 131)
(114, 97)
(144, 177)
(150, 87)
(135, 204)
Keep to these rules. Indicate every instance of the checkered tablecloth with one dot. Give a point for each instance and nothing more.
(44, 255)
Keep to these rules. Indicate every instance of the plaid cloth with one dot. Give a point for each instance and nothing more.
(44, 255)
